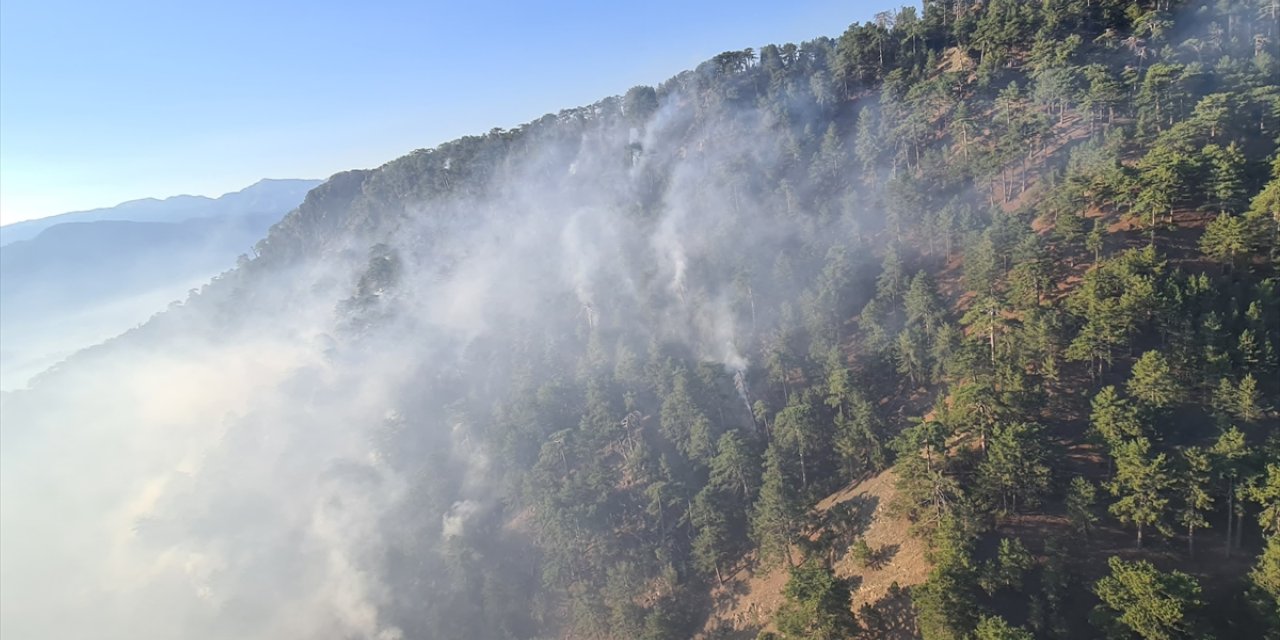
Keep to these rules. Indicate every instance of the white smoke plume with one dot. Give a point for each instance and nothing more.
(285, 455)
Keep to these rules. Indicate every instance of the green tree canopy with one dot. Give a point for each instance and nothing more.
(817, 605)
(1147, 602)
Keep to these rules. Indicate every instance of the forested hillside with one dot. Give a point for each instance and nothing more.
(995, 280)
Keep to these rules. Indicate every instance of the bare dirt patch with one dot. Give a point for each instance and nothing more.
(747, 602)
(897, 556)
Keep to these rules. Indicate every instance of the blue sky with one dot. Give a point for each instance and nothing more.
(102, 102)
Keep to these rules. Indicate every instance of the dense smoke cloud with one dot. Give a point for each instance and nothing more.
(249, 468)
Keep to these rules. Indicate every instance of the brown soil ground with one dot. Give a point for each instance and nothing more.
(747, 602)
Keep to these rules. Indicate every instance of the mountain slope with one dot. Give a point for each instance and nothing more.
(568, 380)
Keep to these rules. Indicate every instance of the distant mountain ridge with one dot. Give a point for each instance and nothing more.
(73, 280)
(265, 196)
(69, 261)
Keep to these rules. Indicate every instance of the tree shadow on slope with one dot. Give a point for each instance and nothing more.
(834, 530)
(889, 618)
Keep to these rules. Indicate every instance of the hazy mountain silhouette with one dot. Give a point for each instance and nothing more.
(72, 280)
(264, 196)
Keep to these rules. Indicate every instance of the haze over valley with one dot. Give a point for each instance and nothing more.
(71, 281)
(960, 322)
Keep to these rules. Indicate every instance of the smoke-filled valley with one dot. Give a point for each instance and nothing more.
(628, 370)
(77, 279)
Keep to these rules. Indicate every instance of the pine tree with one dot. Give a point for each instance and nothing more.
(1226, 165)
(1266, 492)
(797, 430)
(996, 628)
(1095, 241)
(912, 355)
(1140, 485)
(1223, 400)
(1248, 399)
(1114, 298)
(1263, 218)
(985, 318)
(1230, 455)
(922, 306)
(1029, 281)
(975, 410)
(868, 141)
(829, 163)
(710, 546)
(1225, 239)
(1152, 381)
(777, 511)
(732, 467)
(873, 325)
(926, 494)
(1007, 569)
(1195, 476)
(1142, 600)
(1113, 419)
(857, 439)
(945, 602)
(981, 266)
(839, 382)
(1265, 591)
(1249, 349)
(816, 605)
(1014, 470)
(683, 423)
(1082, 495)
(892, 281)
(1104, 93)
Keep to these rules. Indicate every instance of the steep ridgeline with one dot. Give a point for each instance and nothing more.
(677, 364)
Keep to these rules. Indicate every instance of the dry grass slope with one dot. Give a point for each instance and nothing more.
(748, 600)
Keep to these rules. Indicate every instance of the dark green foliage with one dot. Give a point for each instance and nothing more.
(1152, 381)
(1113, 419)
(1141, 485)
(861, 552)
(1138, 598)
(927, 494)
(969, 216)
(1194, 486)
(1265, 592)
(1082, 496)
(1014, 473)
(995, 628)
(858, 438)
(711, 547)
(1265, 491)
(923, 307)
(1113, 302)
(1230, 455)
(944, 603)
(777, 511)
(733, 467)
(1008, 568)
(683, 423)
(816, 606)
(798, 433)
